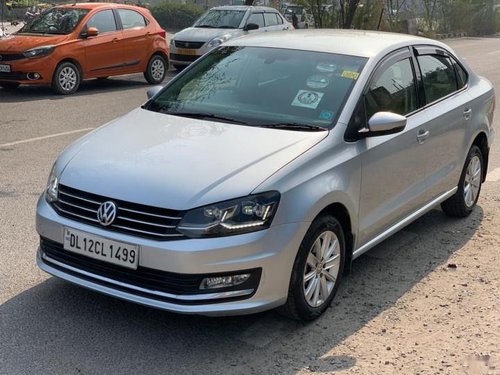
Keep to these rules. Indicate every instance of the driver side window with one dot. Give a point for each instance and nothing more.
(393, 91)
(104, 21)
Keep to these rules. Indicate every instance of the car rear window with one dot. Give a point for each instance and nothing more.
(258, 86)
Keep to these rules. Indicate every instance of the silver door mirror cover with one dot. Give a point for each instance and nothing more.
(382, 123)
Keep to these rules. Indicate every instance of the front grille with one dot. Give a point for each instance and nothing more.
(131, 218)
(190, 45)
(11, 56)
(186, 58)
(145, 278)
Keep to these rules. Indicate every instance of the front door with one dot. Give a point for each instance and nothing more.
(103, 53)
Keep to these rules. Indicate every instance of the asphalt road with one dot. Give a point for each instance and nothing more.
(48, 326)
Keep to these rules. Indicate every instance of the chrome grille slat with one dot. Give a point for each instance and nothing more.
(77, 206)
(150, 214)
(145, 222)
(146, 232)
(80, 198)
(73, 214)
(135, 219)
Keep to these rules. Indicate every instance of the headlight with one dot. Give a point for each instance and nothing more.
(52, 186)
(242, 215)
(172, 42)
(39, 51)
(218, 41)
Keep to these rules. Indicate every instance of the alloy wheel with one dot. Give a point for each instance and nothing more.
(321, 269)
(472, 181)
(68, 78)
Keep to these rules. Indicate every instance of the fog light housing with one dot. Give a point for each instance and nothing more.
(227, 281)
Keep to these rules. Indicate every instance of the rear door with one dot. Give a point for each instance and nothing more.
(103, 53)
(137, 39)
(274, 22)
(448, 107)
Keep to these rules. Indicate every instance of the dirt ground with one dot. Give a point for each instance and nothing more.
(445, 317)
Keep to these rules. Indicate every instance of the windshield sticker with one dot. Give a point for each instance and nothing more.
(326, 115)
(350, 74)
(317, 82)
(307, 99)
(326, 67)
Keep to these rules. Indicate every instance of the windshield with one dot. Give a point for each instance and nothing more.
(221, 19)
(56, 21)
(263, 86)
(294, 9)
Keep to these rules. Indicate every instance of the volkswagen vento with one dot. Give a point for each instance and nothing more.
(255, 177)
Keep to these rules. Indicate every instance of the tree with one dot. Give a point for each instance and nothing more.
(347, 12)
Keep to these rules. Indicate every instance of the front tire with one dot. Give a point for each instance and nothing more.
(317, 270)
(66, 79)
(157, 69)
(463, 201)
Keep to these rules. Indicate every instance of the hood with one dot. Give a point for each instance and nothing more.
(202, 34)
(178, 163)
(19, 43)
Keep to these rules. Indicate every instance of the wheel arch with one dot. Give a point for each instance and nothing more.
(73, 61)
(481, 141)
(341, 213)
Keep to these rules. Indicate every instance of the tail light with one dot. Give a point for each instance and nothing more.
(162, 33)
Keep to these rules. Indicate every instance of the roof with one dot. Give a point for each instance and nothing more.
(346, 42)
(244, 7)
(96, 5)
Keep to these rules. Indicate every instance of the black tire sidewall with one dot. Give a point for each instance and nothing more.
(149, 76)
(321, 224)
(55, 81)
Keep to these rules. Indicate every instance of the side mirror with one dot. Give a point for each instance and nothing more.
(383, 123)
(250, 27)
(91, 31)
(153, 91)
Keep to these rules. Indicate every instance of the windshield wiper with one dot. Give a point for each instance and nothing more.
(206, 26)
(205, 116)
(294, 126)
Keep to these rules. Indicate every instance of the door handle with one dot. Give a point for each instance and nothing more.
(467, 113)
(422, 136)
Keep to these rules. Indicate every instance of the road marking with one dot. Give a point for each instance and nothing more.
(493, 52)
(44, 137)
(494, 175)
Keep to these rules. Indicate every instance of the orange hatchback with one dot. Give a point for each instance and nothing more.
(69, 43)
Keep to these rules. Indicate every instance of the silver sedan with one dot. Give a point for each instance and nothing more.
(255, 177)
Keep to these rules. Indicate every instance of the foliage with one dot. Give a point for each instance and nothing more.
(172, 16)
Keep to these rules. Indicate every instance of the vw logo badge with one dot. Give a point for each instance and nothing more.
(106, 213)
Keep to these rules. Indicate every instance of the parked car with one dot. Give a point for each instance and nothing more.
(304, 19)
(219, 25)
(255, 177)
(70, 43)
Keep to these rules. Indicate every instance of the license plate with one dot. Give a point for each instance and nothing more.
(4, 68)
(186, 51)
(96, 247)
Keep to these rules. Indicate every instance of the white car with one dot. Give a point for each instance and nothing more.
(220, 24)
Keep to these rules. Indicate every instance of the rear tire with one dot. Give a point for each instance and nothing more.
(67, 79)
(9, 85)
(157, 70)
(463, 201)
(317, 270)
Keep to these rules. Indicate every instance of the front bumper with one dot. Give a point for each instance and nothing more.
(270, 253)
(184, 56)
(22, 70)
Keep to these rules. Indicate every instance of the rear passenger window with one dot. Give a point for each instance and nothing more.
(257, 18)
(104, 21)
(271, 19)
(393, 91)
(461, 75)
(438, 75)
(131, 19)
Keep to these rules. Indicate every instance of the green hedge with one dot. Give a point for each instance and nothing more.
(175, 17)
